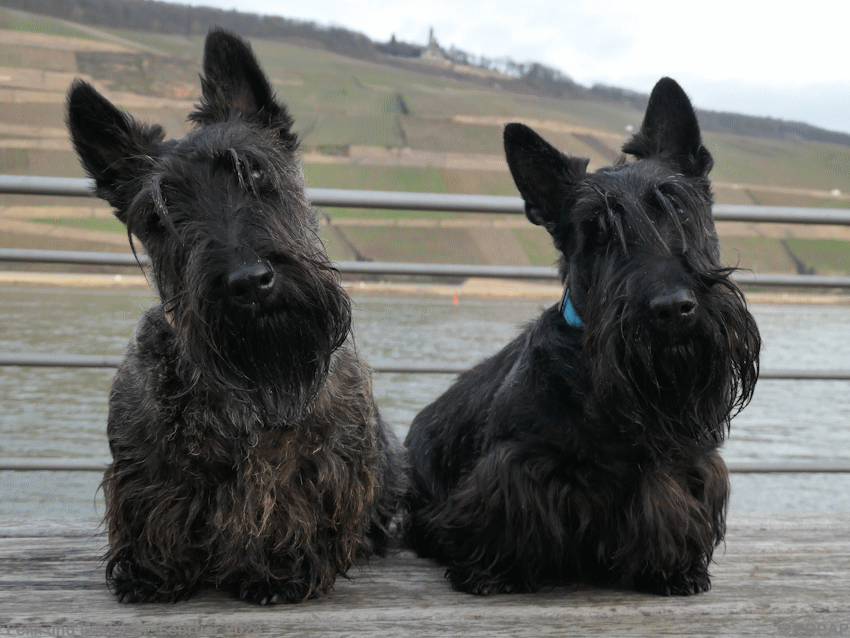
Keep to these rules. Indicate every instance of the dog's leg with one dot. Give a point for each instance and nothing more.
(297, 573)
(677, 520)
(276, 591)
(500, 530)
(693, 580)
(282, 570)
(132, 583)
(137, 571)
(153, 552)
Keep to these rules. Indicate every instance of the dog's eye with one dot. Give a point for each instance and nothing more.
(258, 179)
(599, 234)
(601, 237)
(672, 201)
(251, 176)
(677, 205)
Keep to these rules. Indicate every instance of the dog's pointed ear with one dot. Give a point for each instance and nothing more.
(544, 176)
(112, 146)
(670, 131)
(234, 85)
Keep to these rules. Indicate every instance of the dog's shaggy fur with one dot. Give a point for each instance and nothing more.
(247, 448)
(587, 449)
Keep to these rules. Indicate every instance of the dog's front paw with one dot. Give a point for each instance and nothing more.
(686, 583)
(133, 584)
(270, 593)
(481, 583)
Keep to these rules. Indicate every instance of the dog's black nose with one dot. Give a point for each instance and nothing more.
(672, 310)
(250, 283)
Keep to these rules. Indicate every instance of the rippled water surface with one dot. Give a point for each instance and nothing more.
(55, 412)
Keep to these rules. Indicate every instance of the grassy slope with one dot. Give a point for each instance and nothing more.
(339, 102)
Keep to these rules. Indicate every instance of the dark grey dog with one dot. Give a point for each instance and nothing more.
(247, 448)
(586, 450)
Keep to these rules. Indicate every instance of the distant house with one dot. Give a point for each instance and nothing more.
(433, 54)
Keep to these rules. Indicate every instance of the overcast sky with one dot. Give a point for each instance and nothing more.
(789, 61)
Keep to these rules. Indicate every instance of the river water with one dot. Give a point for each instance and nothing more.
(55, 412)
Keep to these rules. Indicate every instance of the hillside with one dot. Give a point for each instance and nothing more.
(506, 74)
(365, 124)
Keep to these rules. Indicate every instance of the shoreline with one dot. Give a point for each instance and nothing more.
(478, 288)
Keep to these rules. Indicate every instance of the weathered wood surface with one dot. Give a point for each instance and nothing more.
(776, 575)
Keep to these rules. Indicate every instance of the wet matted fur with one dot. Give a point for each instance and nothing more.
(247, 449)
(587, 449)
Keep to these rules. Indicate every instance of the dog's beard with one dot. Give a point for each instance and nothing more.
(271, 358)
(668, 392)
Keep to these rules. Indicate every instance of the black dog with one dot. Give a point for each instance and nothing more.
(586, 450)
(247, 448)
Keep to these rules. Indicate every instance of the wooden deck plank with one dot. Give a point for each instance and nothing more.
(775, 576)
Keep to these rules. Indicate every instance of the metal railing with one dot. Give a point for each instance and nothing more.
(435, 202)
(413, 269)
(113, 361)
(71, 187)
(99, 465)
(344, 198)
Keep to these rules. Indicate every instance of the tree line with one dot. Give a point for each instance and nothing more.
(179, 19)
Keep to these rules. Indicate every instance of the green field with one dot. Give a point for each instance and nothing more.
(339, 103)
(380, 178)
(827, 256)
(105, 224)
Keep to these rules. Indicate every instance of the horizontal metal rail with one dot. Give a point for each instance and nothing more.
(345, 198)
(72, 187)
(821, 467)
(37, 256)
(60, 360)
(411, 269)
(52, 465)
(99, 465)
(744, 278)
(388, 367)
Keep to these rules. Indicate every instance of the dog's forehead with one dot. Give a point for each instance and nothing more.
(207, 151)
(635, 185)
(209, 142)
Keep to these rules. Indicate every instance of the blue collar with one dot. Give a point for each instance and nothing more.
(569, 312)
